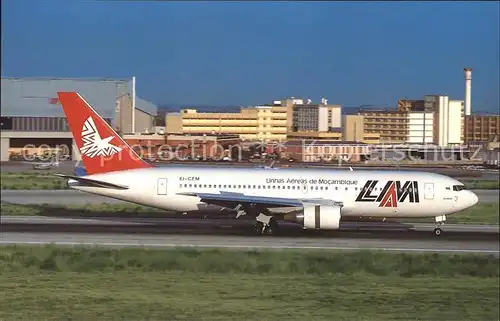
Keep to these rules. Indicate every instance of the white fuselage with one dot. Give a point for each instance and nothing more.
(424, 195)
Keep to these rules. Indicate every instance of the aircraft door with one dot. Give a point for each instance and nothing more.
(304, 188)
(161, 186)
(429, 191)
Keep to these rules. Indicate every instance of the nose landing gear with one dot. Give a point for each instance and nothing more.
(439, 224)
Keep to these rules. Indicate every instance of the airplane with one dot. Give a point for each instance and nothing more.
(316, 198)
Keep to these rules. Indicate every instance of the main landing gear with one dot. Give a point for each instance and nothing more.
(439, 224)
(265, 225)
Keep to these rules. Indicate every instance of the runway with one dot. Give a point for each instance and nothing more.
(230, 233)
(237, 234)
(197, 223)
(240, 242)
(66, 197)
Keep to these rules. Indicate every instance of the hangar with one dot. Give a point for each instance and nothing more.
(32, 117)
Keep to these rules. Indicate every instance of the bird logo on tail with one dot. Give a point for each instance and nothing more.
(93, 144)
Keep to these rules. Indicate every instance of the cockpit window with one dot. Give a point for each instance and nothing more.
(458, 188)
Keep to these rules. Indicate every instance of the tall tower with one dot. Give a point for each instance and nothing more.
(468, 87)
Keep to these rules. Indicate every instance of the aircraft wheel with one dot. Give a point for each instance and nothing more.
(438, 231)
(257, 228)
(272, 228)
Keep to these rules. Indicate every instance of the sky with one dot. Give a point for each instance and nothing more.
(243, 53)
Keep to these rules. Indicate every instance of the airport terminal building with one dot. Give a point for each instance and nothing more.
(32, 116)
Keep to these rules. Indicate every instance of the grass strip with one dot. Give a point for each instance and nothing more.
(318, 262)
(30, 181)
(481, 184)
(61, 283)
(482, 213)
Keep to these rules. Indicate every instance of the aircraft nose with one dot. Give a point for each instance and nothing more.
(473, 198)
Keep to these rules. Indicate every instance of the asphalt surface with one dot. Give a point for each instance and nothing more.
(172, 222)
(241, 242)
(63, 197)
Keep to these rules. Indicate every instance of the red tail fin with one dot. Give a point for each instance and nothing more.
(102, 149)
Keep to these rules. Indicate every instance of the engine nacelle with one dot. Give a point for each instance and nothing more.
(324, 217)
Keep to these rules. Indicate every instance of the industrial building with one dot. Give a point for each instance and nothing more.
(214, 147)
(390, 125)
(448, 119)
(251, 123)
(262, 122)
(316, 117)
(481, 129)
(434, 120)
(31, 114)
(325, 150)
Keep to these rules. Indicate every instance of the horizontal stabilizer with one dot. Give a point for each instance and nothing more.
(93, 182)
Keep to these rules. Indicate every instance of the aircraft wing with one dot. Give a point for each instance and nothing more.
(230, 199)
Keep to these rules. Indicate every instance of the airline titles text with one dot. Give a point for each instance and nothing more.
(322, 181)
(269, 180)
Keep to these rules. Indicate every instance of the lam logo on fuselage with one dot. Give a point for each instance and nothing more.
(392, 193)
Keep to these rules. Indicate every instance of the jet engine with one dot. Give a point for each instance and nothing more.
(324, 217)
